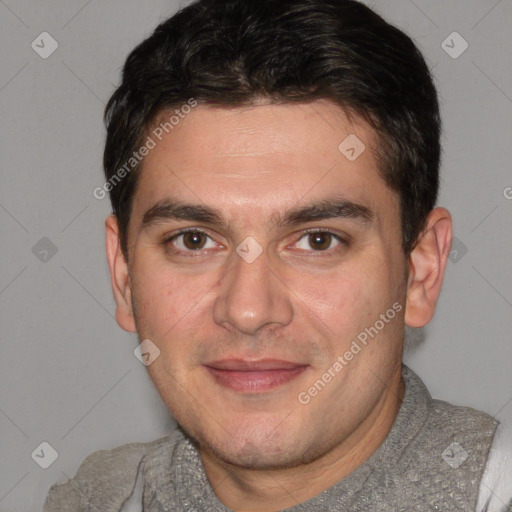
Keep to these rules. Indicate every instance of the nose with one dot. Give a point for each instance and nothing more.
(252, 296)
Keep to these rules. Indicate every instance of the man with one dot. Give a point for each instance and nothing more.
(273, 171)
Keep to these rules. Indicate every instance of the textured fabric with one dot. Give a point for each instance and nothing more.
(103, 482)
(407, 472)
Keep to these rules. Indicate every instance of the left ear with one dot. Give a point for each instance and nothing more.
(427, 263)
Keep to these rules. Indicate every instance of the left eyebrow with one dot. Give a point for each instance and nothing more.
(327, 209)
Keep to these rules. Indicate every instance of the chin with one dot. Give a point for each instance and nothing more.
(258, 450)
(254, 457)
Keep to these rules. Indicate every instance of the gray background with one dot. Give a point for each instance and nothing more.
(68, 373)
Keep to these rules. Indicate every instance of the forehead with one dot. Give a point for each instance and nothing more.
(268, 157)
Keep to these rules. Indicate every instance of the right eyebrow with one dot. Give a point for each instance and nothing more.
(171, 209)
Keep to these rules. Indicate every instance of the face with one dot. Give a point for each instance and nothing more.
(258, 254)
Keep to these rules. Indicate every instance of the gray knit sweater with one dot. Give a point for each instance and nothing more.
(416, 468)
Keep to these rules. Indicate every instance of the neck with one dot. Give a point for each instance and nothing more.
(247, 490)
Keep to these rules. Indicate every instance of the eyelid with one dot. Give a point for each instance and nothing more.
(344, 238)
(182, 231)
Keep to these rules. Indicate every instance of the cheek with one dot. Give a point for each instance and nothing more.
(330, 300)
(160, 300)
(168, 304)
(345, 301)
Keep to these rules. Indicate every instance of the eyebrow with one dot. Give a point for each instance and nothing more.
(327, 209)
(335, 208)
(172, 209)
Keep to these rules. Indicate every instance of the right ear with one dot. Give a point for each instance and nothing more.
(119, 276)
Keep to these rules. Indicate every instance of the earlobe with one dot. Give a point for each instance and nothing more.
(427, 263)
(119, 276)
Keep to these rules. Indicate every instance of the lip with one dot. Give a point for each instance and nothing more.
(248, 365)
(254, 376)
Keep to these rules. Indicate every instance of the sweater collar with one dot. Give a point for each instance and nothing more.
(174, 472)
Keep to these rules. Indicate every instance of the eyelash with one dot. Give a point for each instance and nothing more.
(191, 253)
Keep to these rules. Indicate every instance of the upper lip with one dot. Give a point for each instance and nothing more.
(247, 366)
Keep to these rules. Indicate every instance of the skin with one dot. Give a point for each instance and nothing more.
(267, 451)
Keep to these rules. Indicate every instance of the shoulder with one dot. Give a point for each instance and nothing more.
(450, 449)
(474, 424)
(105, 479)
(462, 436)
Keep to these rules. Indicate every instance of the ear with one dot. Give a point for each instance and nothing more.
(427, 263)
(119, 276)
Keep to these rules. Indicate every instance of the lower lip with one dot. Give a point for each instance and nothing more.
(254, 381)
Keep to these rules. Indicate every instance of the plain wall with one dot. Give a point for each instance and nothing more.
(68, 373)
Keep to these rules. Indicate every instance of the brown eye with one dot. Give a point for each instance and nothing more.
(320, 241)
(191, 243)
(194, 240)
